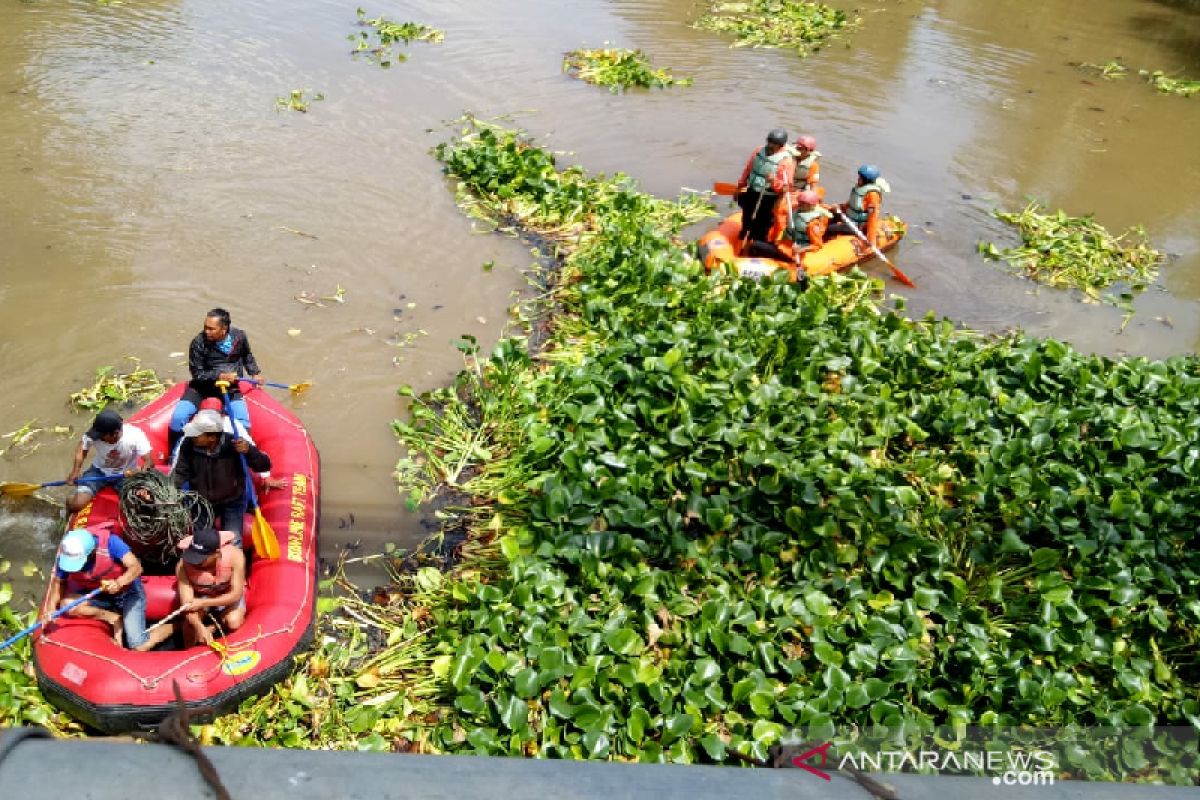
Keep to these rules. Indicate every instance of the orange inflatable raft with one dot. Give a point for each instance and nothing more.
(719, 251)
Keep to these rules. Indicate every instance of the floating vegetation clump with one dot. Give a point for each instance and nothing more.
(378, 43)
(297, 100)
(619, 69)
(25, 439)
(1077, 253)
(1167, 85)
(137, 386)
(1112, 70)
(800, 26)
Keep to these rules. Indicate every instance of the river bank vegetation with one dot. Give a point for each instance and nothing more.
(706, 516)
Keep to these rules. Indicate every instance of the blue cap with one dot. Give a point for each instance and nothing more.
(76, 546)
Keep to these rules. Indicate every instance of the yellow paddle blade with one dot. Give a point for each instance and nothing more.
(300, 388)
(19, 489)
(266, 543)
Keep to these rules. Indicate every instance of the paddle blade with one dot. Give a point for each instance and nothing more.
(19, 489)
(900, 276)
(300, 388)
(725, 189)
(266, 543)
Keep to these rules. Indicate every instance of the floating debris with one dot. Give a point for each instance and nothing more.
(140, 385)
(801, 26)
(297, 100)
(618, 69)
(1076, 252)
(386, 34)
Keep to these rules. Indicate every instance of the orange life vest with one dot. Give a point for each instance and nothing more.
(211, 584)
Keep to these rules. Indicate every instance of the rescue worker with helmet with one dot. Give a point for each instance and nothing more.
(808, 169)
(767, 176)
(798, 232)
(865, 206)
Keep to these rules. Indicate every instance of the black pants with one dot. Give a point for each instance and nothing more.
(757, 214)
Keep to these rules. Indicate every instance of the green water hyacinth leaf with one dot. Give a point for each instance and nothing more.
(625, 641)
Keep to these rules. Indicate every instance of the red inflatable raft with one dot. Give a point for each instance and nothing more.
(82, 671)
(719, 251)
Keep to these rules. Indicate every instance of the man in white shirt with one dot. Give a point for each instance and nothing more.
(117, 450)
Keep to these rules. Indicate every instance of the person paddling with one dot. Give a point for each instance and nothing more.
(865, 206)
(211, 576)
(768, 174)
(97, 558)
(801, 232)
(117, 450)
(808, 168)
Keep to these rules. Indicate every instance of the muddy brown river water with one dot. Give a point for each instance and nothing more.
(146, 176)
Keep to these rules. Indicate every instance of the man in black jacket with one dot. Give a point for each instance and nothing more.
(220, 352)
(210, 465)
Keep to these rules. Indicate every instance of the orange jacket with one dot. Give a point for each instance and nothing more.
(816, 227)
(781, 181)
(873, 204)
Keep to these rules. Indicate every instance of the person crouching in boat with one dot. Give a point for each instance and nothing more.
(808, 169)
(211, 576)
(117, 450)
(797, 233)
(865, 206)
(98, 558)
(210, 464)
(768, 174)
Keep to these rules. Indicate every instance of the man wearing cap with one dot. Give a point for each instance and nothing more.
(212, 582)
(97, 558)
(210, 464)
(220, 352)
(117, 451)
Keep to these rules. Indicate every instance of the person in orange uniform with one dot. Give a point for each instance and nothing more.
(808, 168)
(865, 206)
(797, 233)
(767, 176)
(211, 576)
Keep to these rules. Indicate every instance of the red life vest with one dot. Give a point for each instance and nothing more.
(211, 584)
(103, 567)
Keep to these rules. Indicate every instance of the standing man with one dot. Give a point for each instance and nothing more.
(808, 169)
(117, 449)
(210, 464)
(768, 174)
(220, 352)
(97, 558)
(212, 582)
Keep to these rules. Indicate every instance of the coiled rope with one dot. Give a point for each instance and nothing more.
(156, 514)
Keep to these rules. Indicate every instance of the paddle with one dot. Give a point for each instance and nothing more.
(19, 636)
(724, 189)
(26, 489)
(294, 388)
(266, 543)
(900, 276)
